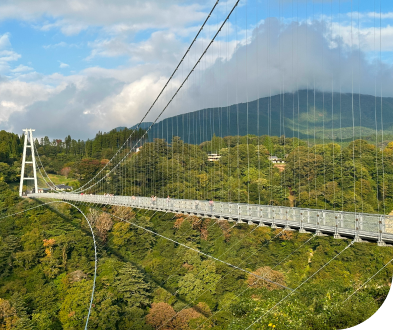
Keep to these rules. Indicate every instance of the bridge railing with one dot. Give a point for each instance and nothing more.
(372, 226)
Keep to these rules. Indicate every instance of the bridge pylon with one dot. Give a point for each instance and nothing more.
(28, 137)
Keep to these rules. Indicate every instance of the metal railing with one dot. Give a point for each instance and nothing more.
(375, 227)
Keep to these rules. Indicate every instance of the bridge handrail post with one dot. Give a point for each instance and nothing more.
(273, 217)
(286, 219)
(381, 229)
(301, 227)
(318, 231)
(357, 229)
(337, 221)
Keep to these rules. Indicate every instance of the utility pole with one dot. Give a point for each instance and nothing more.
(28, 136)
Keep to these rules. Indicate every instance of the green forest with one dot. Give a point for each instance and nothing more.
(147, 281)
(357, 176)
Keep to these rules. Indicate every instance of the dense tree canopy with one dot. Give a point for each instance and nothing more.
(148, 282)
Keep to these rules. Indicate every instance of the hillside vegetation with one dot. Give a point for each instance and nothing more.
(145, 281)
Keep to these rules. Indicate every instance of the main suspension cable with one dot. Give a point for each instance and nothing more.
(170, 101)
(162, 90)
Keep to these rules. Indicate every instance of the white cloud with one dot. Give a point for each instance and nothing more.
(22, 68)
(161, 46)
(63, 65)
(16, 96)
(71, 17)
(288, 58)
(61, 44)
(7, 55)
(367, 37)
(5, 41)
(68, 109)
(372, 15)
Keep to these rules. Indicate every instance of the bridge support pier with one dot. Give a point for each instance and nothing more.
(381, 243)
(357, 239)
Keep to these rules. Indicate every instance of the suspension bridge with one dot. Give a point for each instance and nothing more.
(356, 226)
(132, 178)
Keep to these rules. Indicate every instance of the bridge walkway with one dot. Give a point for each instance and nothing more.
(358, 226)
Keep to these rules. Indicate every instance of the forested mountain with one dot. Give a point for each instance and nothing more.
(301, 114)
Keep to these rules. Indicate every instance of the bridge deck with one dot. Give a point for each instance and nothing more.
(371, 227)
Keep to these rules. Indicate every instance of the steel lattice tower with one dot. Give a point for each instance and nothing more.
(28, 136)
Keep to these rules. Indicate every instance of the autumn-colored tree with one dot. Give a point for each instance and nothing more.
(103, 225)
(48, 244)
(183, 318)
(269, 274)
(125, 213)
(102, 222)
(178, 222)
(161, 316)
(195, 222)
(286, 235)
(65, 171)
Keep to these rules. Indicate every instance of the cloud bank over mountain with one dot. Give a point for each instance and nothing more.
(111, 59)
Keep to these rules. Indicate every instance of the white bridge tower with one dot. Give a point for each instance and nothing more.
(28, 136)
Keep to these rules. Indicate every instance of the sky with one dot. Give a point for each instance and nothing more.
(82, 66)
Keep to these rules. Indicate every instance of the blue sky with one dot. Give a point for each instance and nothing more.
(79, 66)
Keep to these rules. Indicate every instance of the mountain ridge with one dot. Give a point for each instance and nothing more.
(305, 114)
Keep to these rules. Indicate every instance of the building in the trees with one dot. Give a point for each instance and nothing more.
(213, 157)
(276, 160)
(63, 187)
